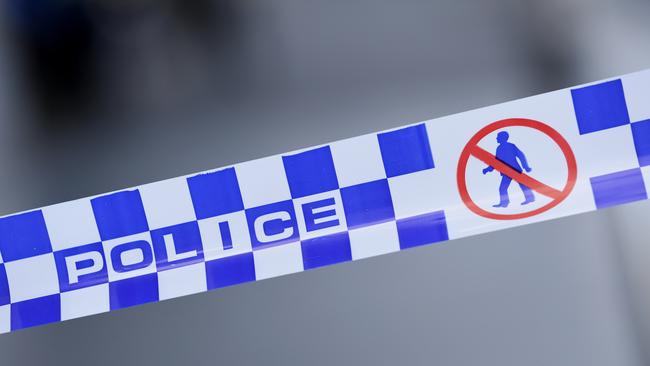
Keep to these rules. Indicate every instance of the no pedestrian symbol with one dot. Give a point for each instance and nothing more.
(511, 163)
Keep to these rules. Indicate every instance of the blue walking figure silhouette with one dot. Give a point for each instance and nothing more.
(510, 154)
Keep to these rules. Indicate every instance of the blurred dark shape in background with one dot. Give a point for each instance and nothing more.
(68, 51)
(57, 43)
(99, 95)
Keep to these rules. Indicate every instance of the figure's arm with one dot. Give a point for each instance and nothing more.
(488, 169)
(522, 159)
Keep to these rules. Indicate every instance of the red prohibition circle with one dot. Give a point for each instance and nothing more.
(522, 122)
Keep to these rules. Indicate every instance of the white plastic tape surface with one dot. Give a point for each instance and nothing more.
(543, 157)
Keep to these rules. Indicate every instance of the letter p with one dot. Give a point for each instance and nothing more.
(81, 267)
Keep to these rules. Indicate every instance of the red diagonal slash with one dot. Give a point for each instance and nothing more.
(522, 178)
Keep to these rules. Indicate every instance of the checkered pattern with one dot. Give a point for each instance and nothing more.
(259, 219)
(620, 107)
(348, 200)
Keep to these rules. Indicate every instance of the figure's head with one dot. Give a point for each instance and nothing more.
(502, 137)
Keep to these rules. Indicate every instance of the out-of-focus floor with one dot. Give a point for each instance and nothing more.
(97, 96)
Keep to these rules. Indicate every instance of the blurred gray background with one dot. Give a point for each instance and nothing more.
(100, 95)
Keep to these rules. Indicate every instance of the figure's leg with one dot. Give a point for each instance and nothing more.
(528, 194)
(503, 191)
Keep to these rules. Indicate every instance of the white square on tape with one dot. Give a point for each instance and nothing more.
(182, 281)
(212, 235)
(636, 87)
(278, 261)
(32, 277)
(85, 301)
(167, 203)
(262, 181)
(374, 240)
(605, 152)
(71, 224)
(357, 160)
(418, 193)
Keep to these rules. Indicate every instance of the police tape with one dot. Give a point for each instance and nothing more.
(569, 151)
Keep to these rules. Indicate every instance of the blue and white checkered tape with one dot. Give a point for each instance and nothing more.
(343, 201)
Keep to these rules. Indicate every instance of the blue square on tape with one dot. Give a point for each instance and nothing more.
(599, 107)
(641, 134)
(421, 230)
(367, 203)
(272, 224)
(119, 214)
(31, 313)
(133, 291)
(177, 245)
(215, 193)
(310, 172)
(320, 214)
(405, 150)
(618, 188)
(326, 250)
(23, 236)
(4, 286)
(81, 266)
(230, 271)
